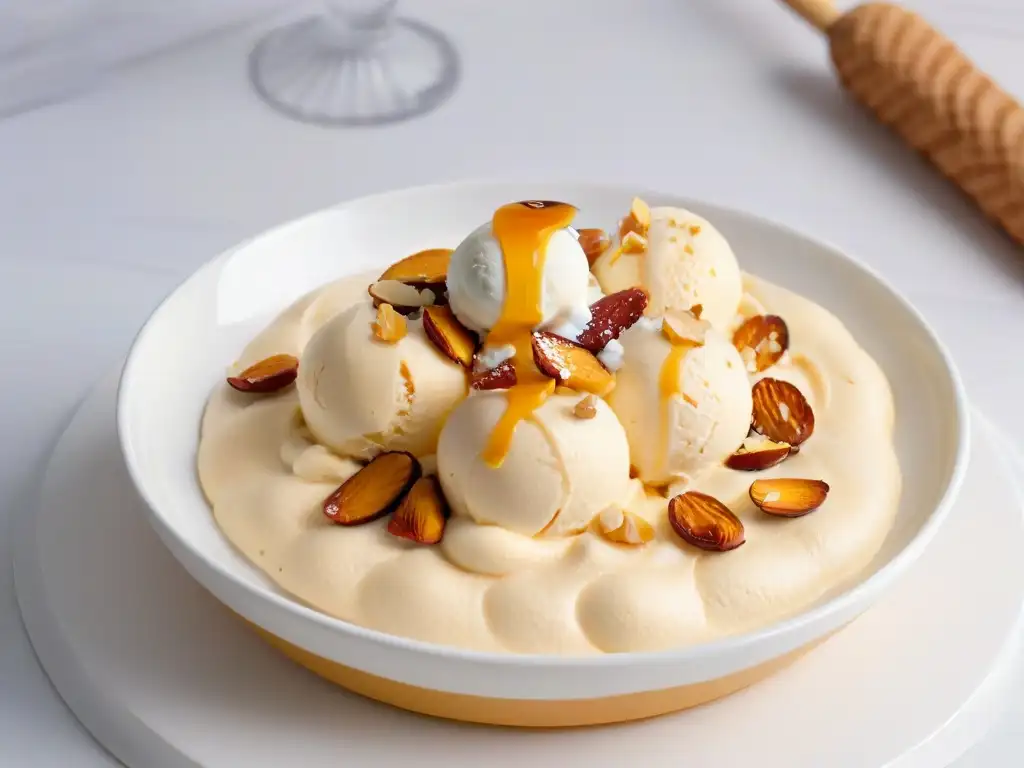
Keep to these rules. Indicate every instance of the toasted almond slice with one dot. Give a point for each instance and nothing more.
(788, 497)
(684, 328)
(374, 490)
(705, 522)
(586, 408)
(404, 297)
(421, 515)
(621, 526)
(781, 412)
(269, 375)
(449, 335)
(594, 242)
(641, 211)
(633, 242)
(571, 365)
(638, 220)
(421, 268)
(501, 377)
(757, 453)
(389, 326)
(767, 336)
(611, 316)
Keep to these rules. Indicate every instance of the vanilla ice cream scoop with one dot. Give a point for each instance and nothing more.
(476, 281)
(560, 471)
(360, 395)
(687, 262)
(684, 408)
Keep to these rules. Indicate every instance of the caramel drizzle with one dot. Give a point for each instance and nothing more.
(670, 384)
(522, 231)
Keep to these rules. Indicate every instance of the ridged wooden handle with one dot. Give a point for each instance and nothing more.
(920, 84)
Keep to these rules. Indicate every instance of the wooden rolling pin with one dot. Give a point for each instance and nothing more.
(918, 82)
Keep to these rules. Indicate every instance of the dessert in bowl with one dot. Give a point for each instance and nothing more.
(528, 473)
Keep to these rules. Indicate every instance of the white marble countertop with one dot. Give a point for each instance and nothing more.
(109, 200)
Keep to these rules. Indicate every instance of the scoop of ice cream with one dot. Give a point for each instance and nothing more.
(360, 396)
(673, 436)
(476, 281)
(560, 470)
(687, 262)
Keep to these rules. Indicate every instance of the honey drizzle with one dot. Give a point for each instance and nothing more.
(670, 383)
(522, 231)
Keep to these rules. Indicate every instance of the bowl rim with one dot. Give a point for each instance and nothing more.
(866, 590)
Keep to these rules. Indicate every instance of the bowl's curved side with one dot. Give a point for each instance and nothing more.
(167, 378)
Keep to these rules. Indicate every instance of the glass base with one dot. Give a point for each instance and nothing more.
(307, 71)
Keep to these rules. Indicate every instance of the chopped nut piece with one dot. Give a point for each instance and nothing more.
(758, 453)
(705, 522)
(684, 328)
(586, 408)
(781, 412)
(767, 338)
(501, 377)
(611, 316)
(570, 364)
(422, 514)
(621, 526)
(390, 327)
(269, 375)
(787, 497)
(638, 220)
(633, 243)
(422, 268)
(374, 490)
(594, 242)
(449, 335)
(405, 298)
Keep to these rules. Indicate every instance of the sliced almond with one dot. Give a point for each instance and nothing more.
(757, 453)
(389, 326)
(269, 375)
(571, 365)
(501, 377)
(705, 522)
(624, 527)
(781, 412)
(638, 220)
(586, 408)
(421, 515)
(788, 497)
(374, 490)
(611, 316)
(405, 298)
(684, 328)
(449, 335)
(767, 338)
(633, 242)
(429, 267)
(594, 242)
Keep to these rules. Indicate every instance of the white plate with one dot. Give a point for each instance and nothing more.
(181, 354)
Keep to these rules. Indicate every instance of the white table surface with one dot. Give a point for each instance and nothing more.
(109, 200)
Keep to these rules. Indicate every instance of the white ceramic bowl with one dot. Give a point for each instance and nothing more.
(182, 351)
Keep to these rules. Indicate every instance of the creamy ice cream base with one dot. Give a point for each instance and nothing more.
(518, 570)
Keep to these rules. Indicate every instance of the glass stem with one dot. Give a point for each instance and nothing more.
(358, 24)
